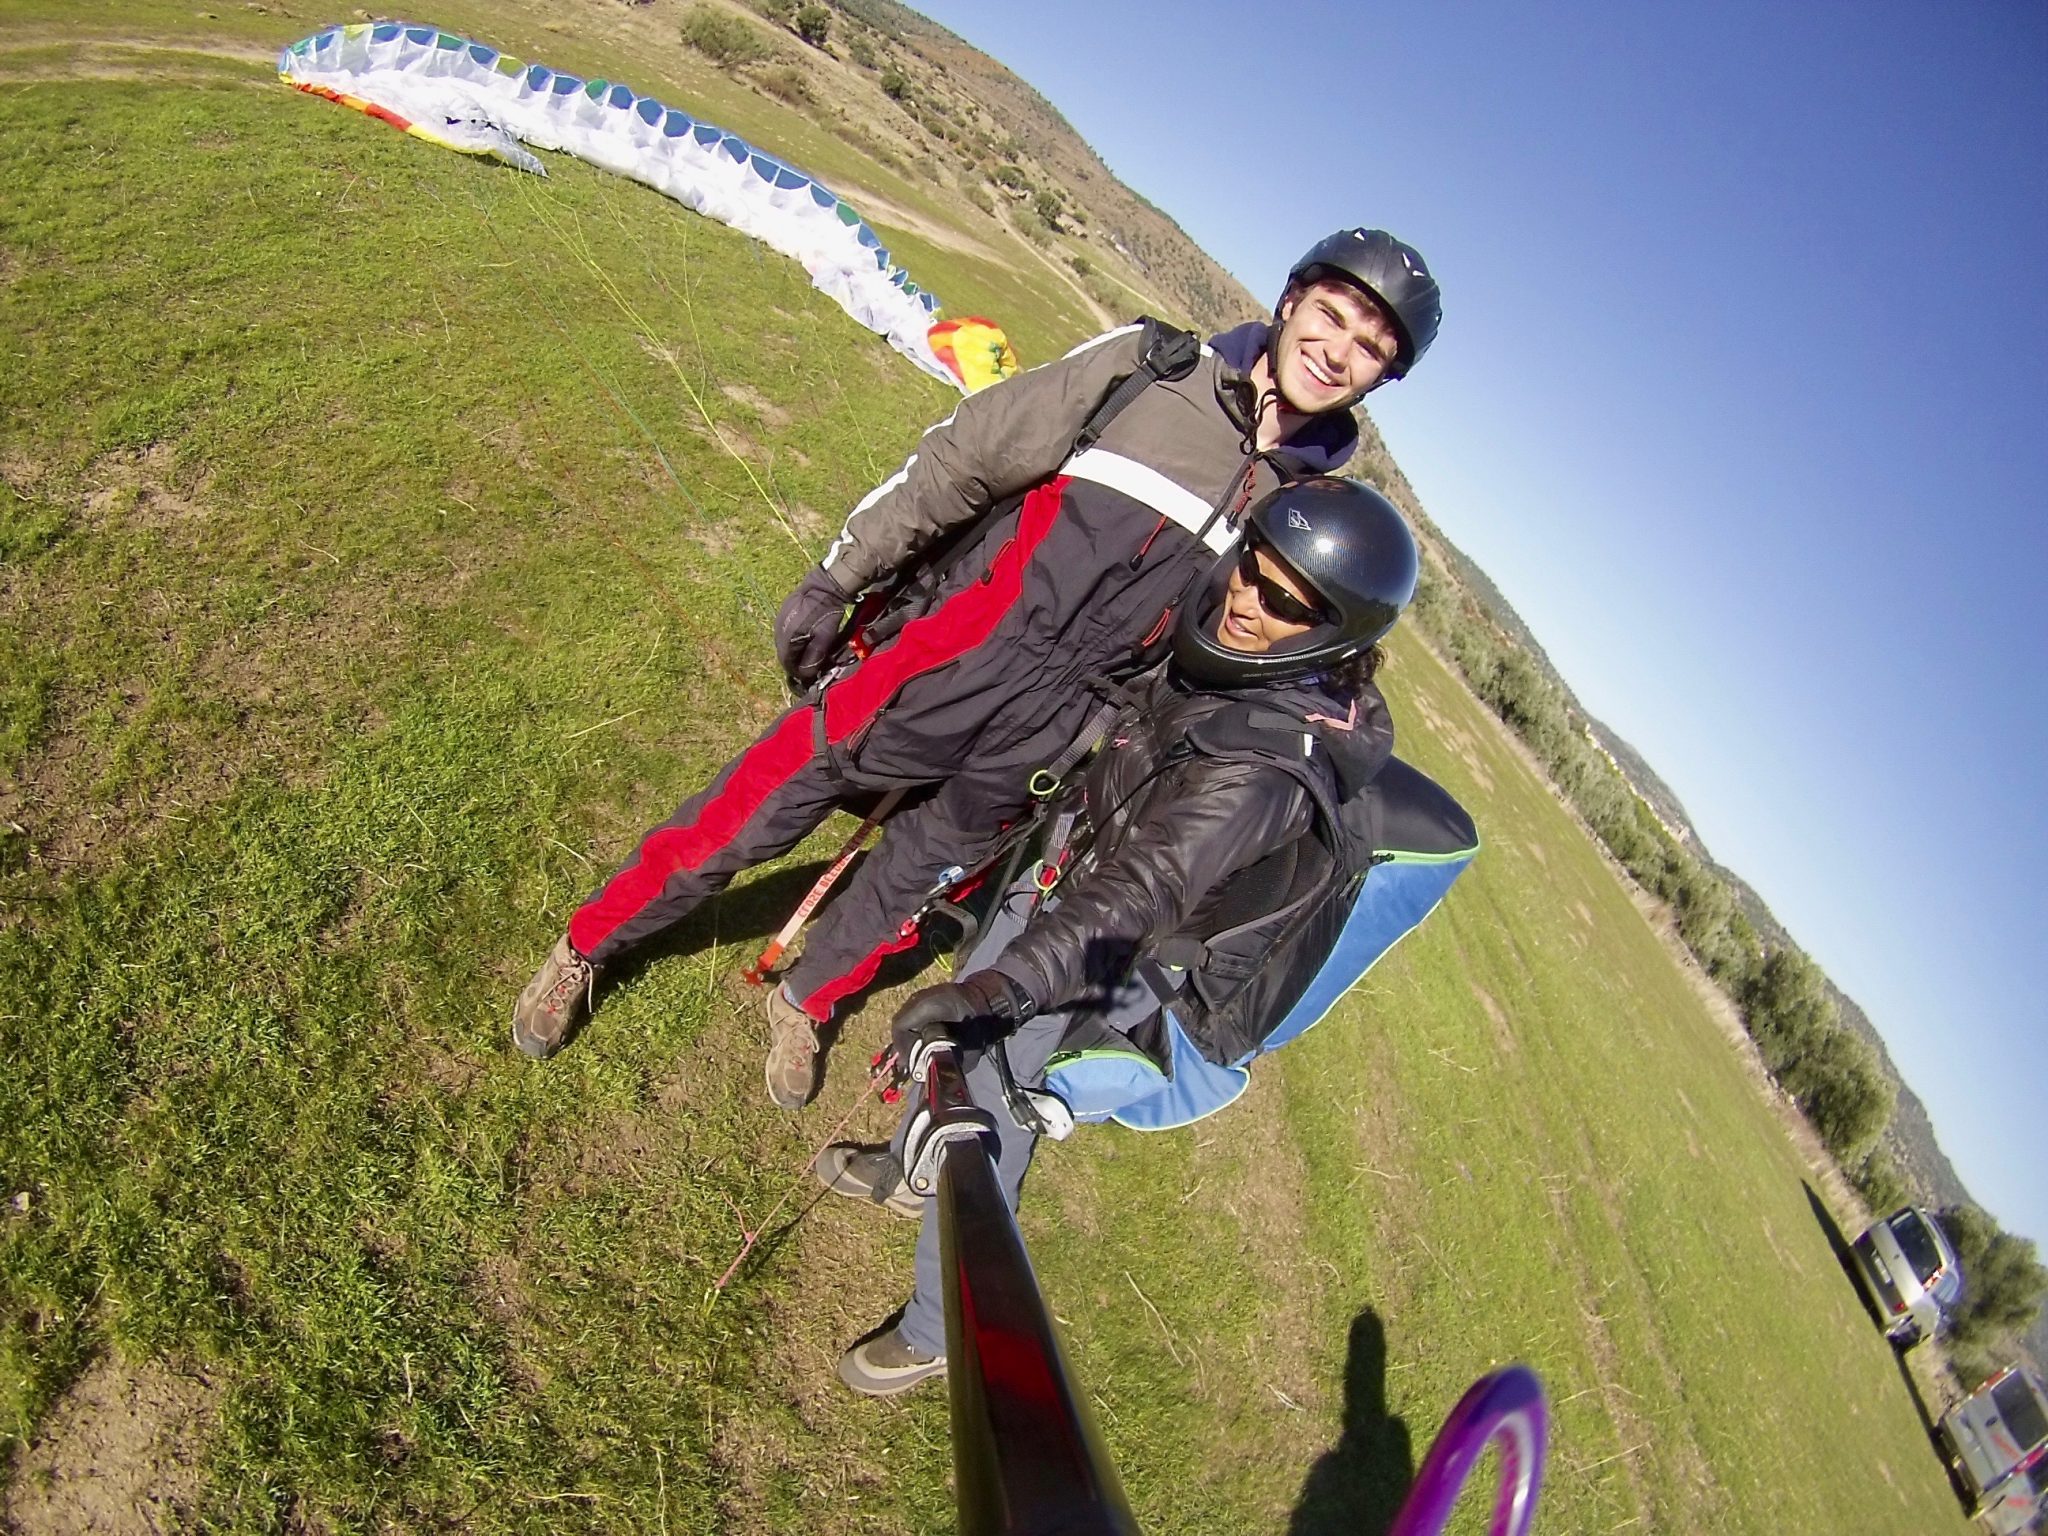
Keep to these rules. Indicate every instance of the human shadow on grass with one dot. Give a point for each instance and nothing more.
(1356, 1487)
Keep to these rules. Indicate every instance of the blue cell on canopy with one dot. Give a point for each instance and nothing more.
(420, 35)
(675, 124)
(484, 56)
(384, 31)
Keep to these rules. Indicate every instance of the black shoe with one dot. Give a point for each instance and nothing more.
(867, 1173)
(885, 1365)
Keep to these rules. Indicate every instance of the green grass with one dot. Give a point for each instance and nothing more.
(377, 558)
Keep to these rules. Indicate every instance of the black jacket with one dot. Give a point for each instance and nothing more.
(1190, 793)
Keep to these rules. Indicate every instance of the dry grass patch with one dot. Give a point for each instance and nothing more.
(118, 1454)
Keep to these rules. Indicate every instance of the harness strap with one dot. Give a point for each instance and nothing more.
(1169, 354)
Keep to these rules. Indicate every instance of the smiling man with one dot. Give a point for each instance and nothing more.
(1070, 538)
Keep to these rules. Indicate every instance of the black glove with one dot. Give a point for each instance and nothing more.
(807, 627)
(973, 1011)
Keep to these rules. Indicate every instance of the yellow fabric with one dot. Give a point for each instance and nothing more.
(975, 350)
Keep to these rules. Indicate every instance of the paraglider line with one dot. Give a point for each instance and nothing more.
(580, 249)
(884, 1071)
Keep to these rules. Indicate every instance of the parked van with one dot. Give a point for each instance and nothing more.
(1998, 1434)
(1906, 1264)
(2011, 1508)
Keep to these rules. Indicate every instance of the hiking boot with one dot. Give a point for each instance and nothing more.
(792, 1052)
(554, 1002)
(867, 1173)
(885, 1365)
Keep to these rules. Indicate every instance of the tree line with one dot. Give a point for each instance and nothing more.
(1832, 1073)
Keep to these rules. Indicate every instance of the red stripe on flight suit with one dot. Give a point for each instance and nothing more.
(949, 631)
(669, 851)
(820, 1003)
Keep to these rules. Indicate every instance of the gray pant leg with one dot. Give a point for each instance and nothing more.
(924, 1319)
(1030, 1048)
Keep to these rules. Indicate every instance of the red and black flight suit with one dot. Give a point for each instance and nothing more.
(1079, 563)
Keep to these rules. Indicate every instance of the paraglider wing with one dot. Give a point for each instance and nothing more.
(466, 96)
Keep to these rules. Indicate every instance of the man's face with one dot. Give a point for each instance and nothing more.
(1246, 623)
(1336, 342)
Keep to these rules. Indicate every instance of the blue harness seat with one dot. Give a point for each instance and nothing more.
(1122, 1083)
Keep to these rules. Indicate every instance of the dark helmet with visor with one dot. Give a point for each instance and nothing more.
(1352, 553)
(1393, 272)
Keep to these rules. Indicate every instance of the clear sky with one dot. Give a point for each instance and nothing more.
(1741, 398)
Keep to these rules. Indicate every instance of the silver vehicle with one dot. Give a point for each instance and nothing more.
(1997, 1437)
(1910, 1271)
(2011, 1508)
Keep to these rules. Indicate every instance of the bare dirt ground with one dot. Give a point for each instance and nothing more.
(119, 1454)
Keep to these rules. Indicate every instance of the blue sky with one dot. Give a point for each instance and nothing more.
(1740, 398)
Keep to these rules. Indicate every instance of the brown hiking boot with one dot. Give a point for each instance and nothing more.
(554, 1002)
(792, 1052)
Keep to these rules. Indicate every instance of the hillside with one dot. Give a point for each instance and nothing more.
(1662, 798)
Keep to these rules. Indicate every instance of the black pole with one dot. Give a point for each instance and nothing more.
(1026, 1457)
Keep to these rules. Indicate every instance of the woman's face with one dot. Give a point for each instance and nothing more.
(1245, 623)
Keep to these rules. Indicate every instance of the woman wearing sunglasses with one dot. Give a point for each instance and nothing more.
(1200, 779)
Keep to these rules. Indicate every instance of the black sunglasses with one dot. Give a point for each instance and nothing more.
(1274, 598)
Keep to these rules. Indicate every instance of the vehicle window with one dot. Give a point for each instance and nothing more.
(2021, 1409)
(2037, 1475)
(1917, 1244)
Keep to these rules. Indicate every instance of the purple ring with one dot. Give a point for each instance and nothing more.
(1505, 1407)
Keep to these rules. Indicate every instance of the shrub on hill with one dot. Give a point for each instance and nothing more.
(1880, 1181)
(725, 39)
(813, 23)
(2003, 1288)
(787, 83)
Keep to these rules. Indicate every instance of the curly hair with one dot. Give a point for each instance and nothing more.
(1355, 673)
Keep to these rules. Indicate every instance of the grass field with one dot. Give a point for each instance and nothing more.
(386, 539)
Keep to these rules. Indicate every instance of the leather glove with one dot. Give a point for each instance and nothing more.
(973, 1011)
(807, 627)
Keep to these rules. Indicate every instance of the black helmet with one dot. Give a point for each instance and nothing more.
(1349, 547)
(1392, 272)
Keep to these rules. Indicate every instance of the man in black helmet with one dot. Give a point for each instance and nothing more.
(1175, 834)
(1071, 557)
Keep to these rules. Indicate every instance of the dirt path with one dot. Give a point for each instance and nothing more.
(1102, 316)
